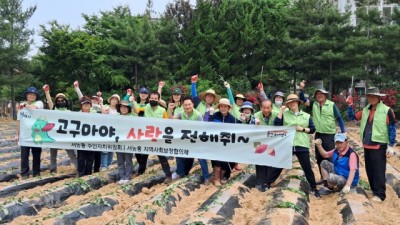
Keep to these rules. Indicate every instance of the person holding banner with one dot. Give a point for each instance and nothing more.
(107, 157)
(32, 102)
(185, 164)
(85, 158)
(304, 126)
(324, 113)
(61, 104)
(246, 113)
(222, 170)
(154, 110)
(266, 175)
(124, 160)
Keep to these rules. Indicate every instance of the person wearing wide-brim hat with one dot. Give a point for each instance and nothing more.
(222, 169)
(111, 109)
(61, 104)
(304, 125)
(124, 160)
(325, 113)
(378, 134)
(205, 100)
(32, 102)
(236, 101)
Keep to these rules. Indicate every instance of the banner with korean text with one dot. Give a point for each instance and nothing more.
(249, 144)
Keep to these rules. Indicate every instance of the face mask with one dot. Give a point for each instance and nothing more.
(61, 105)
(278, 103)
(248, 116)
(153, 103)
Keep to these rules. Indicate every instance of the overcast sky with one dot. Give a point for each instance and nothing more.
(70, 11)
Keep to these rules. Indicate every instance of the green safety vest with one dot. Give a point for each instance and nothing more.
(235, 111)
(275, 108)
(178, 110)
(301, 139)
(195, 115)
(324, 117)
(157, 113)
(260, 116)
(380, 131)
(202, 108)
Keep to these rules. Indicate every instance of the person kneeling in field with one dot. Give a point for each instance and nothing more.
(343, 169)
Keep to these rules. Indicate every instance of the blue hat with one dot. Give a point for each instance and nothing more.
(247, 105)
(144, 90)
(31, 90)
(341, 137)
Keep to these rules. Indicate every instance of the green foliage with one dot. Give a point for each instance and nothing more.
(289, 205)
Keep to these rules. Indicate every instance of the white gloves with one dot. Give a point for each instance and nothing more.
(389, 151)
(346, 189)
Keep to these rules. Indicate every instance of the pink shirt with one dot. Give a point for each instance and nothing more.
(352, 159)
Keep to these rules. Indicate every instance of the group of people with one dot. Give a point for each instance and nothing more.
(338, 163)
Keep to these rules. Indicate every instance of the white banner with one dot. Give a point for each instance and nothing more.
(249, 144)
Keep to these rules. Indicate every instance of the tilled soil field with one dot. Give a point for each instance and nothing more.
(62, 198)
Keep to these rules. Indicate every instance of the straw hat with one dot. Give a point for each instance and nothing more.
(292, 98)
(240, 96)
(61, 95)
(223, 101)
(124, 103)
(202, 95)
(113, 96)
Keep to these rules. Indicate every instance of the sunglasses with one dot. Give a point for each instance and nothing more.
(60, 101)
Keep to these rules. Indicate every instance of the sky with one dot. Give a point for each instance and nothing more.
(70, 11)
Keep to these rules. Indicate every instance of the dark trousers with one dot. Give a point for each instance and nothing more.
(142, 161)
(97, 161)
(267, 174)
(304, 160)
(328, 143)
(36, 152)
(85, 162)
(375, 165)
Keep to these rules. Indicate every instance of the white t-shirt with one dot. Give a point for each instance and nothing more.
(39, 104)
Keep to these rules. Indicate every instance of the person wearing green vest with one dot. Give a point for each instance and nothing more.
(205, 100)
(32, 102)
(184, 165)
(61, 104)
(153, 110)
(266, 175)
(236, 101)
(304, 125)
(378, 135)
(325, 113)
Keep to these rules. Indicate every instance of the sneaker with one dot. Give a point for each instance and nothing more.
(207, 182)
(120, 182)
(125, 181)
(325, 191)
(175, 176)
(316, 194)
(376, 199)
(167, 180)
(224, 180)
(103, 169)
(260, 187)
(217, 183)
